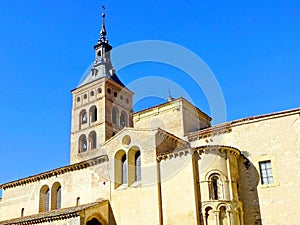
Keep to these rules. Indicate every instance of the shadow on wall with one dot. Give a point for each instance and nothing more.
(111, 217)
(249, 180)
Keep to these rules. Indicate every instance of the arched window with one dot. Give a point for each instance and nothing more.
(44, 199)
(223, 216)
(22, 212)
(124, 169)
(120, 165)
(82, 117)
(138, 166)
(82, 143)
(93, 140)
(93, 114)
(215, 188)
(56, 196)
(123, 119)
(58, 199)
(209, 216)
(134, 165)
(114, 115)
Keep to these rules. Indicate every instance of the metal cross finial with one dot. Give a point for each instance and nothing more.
(103, 30)
(170, 98)
(103, 9)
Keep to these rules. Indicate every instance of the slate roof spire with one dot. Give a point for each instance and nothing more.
(102, 66)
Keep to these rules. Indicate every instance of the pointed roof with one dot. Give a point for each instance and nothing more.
(98, 72)
(102, 67)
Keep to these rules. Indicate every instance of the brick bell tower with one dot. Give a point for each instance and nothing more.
(102, 105)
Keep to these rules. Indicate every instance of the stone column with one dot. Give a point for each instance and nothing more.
(217, 213)
(231, 216)
(241, 217)
(229, 176)
(205, 219)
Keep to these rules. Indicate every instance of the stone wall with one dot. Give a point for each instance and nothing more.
(273, 137)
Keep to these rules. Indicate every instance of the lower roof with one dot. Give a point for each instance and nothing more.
(54, 215)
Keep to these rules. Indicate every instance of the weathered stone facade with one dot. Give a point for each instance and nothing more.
(162, 165)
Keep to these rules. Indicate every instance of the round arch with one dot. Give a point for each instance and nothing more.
(120, 168)
(56, 196)
(215, 172)
(95, 219)
(134, 165)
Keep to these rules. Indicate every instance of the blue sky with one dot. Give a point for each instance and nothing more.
(252, 47)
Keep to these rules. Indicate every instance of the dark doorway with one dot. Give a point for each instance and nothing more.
(94, 221)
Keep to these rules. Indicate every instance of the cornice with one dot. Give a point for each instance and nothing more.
(181, 144)
(88, 103)
(227, 127)
(48, 217)
(210, 131)
(200, 150)
(174, 154)
(177, 100)
(221, 148)
(55, 172)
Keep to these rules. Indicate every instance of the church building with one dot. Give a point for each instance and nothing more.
(124, 171)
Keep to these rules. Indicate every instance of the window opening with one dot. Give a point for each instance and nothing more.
(266, 172)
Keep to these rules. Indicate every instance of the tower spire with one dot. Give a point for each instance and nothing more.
(103, 30)
(102, 48)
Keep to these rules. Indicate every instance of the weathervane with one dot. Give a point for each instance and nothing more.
(103, 9)
(103, 30)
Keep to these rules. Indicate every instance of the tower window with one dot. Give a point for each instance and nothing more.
(127, 100)
(85, 96)
(92, 93)
(83, 117)
(93, 140)
(266, 173)
(115, 94)
(108, 90)
(121, 97)
(99, 90)
(78, 99)
(114, 114)
(82, 143)
(93, 114)
(22, 212)
(123, 119)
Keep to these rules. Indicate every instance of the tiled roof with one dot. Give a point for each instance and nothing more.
(226, 127)
(60, 214)
(55, 172)
(166, 103)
